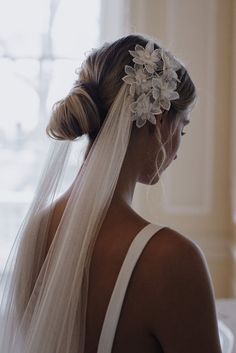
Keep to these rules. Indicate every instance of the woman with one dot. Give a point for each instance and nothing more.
(90, 274)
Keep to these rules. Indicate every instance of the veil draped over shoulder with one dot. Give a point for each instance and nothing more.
(44, 296)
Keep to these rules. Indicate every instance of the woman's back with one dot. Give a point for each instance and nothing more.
(169, 304)
(163, 311)
(132, 331)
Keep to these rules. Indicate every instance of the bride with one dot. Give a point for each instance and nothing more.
(87, 273)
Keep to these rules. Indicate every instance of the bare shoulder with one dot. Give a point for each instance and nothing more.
(168, 248)
(171, 239)
(177, 258)
(181, 295)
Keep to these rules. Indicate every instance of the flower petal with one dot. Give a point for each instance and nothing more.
(157, 53)
(157, 82)
(140, 122)
(174, 95)
(129, 70)
(128, 79)
(155, 93)
(150, 68)
(152, 118)
(133, 107)
(139, 47)
(138, 67)
(133, 53)
(142, 97)
(156, 109)
(138, 61)
(170, 74)
(165, 103)
(149, 47)
(132, 89)
(171, 85)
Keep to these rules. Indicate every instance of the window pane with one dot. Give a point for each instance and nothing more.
(19, 100)
(22, 24)
(41, 45)
(75, 28)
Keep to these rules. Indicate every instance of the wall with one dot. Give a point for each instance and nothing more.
(233, 146)
(198, 187)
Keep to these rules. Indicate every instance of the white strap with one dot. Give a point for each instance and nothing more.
(118, 294)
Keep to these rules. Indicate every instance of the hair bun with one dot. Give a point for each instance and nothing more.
(75, 115)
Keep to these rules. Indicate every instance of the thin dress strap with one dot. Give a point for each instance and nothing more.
(118, 294)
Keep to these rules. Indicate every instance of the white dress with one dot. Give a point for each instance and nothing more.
(118, 294)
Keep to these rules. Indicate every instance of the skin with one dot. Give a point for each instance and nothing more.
(139, 163)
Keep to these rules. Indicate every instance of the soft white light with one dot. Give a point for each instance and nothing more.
(19, 102)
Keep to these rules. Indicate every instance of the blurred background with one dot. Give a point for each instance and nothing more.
(42, 42)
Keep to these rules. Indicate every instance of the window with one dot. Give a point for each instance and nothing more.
(42, 42)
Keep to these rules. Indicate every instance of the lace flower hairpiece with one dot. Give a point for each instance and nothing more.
(153, 81)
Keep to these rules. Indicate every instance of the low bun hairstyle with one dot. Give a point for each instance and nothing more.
(75, 115)
(85, 108)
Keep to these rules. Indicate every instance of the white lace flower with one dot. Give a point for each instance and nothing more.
(144, 110)
(146, 56)
(164, 91)
(169, 61)
(153, 82)
(171, 76)
(139, 80)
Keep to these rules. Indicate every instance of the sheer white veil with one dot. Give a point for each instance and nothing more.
(44, 297)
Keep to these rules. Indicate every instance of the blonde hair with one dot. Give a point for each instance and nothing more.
(85, 108)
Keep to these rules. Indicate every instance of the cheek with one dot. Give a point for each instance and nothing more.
(177, 141)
